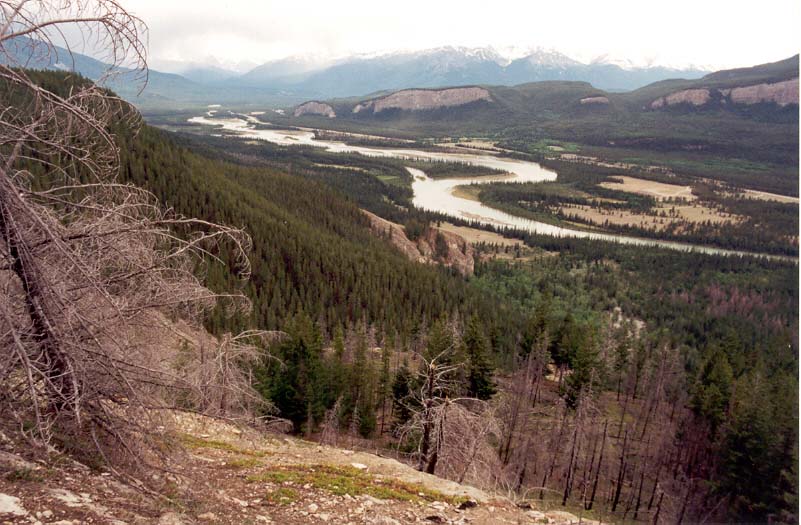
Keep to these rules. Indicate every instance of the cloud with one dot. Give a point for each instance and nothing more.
(721, 34)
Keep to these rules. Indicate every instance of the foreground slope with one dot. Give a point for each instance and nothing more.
(232, 475)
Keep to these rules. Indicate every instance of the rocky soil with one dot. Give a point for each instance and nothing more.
(229, 475)
(594, 100)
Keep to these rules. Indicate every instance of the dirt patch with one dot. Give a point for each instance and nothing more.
(434, 246)
(658, 190)
(765, 196)
(474, 235)
(466, 192)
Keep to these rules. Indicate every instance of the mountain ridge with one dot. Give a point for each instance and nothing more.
(290, 81)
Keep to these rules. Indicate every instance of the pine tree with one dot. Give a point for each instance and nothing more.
(713, 388)
(295, 385)
(401, 394)
(362, 391)
(479, 368)
(385, 378)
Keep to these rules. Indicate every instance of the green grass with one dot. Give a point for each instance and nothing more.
(282, 496)
(199, 443)
(547, 146)
(26, 475)
(342, 480)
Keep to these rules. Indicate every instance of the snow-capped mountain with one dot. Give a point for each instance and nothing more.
(450, 66)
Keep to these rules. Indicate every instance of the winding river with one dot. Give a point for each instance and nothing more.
(437, 194)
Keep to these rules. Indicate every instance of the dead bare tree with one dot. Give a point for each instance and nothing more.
(428, 406)
(90, 264)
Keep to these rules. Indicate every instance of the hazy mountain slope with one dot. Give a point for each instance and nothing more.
(287, 81)
(207, 74)
(448, 66)
(542, 100)
(162, 91)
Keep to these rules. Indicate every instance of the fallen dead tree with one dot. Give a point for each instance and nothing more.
(94, 273)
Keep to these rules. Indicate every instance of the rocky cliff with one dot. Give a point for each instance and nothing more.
(454, 251)
(421, 99)
(696, 97)
(315, 108)
(594, 100)
(782, 93)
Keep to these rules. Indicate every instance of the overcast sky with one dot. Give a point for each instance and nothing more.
(713, 33)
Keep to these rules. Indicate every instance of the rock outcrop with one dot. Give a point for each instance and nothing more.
(594, 100)
(458, 254)
(423, 99)
(696, 97)
(315, 108)
(782, 93)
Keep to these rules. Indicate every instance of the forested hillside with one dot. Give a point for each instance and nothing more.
(312, 249)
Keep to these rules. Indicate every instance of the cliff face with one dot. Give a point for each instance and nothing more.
(781, 93)
(420, 99)
(457, 253)
(696, 97)
(315, 108)
(594, 100)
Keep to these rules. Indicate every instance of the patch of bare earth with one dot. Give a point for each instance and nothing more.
(457, 255)
(765, 196)
(658, 190)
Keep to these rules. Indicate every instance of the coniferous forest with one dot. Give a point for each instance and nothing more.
(657, 381)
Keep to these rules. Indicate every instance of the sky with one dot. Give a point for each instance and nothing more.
(239, 34)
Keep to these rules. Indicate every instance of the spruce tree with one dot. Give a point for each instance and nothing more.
(479, 368)
(401, 394)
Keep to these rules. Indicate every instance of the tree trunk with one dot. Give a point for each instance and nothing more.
(428, 420)
(569, 478)
(621, 473)
(61, 385)
(598, 468)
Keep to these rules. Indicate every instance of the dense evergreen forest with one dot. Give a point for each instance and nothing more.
(632, 382)
(729, 321)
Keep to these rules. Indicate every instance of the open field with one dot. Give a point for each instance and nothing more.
(657, 190)
(765, 196)
(688, 213)
(474, 235)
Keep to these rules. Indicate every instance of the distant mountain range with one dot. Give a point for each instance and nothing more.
(291, 80)
(766, 91)
(747, 113)
(449, 66)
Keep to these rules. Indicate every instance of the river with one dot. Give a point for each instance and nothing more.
(437, 194)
